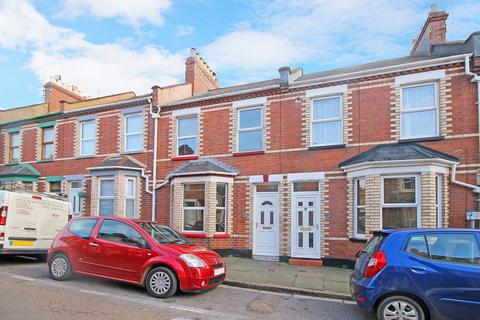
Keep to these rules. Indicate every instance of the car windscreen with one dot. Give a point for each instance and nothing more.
(162, 234)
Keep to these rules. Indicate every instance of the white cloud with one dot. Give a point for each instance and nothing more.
(132, 12)
(106, 68)
(184, 30)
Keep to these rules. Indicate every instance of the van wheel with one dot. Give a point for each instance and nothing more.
(400, 307)
(161, 282)
(60, 267)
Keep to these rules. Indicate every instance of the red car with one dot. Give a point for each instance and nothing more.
(139, 252)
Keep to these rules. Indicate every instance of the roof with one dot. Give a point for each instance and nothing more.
(202, 167)
(395, 152)
(23, 169)
(118, 162)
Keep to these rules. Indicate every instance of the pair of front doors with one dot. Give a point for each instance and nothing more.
(305, 225)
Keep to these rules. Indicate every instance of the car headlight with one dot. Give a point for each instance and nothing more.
(193, 261)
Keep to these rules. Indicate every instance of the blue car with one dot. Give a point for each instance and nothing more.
(419, 274)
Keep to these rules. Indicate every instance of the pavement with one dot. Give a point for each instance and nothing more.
(27, 293)
(282, 277)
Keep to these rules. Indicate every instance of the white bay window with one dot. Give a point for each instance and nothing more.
(193, 207)
(400, 202)
(359, 208)
(106, 197)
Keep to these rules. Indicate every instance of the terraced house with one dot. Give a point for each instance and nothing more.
(303, 167)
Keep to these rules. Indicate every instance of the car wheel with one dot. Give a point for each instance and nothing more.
(60, 267)
(401, 308)
(161, 282)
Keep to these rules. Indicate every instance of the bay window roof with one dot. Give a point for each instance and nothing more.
(206, 166)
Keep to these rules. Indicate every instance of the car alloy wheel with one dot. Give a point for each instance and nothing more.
(60, 268)
(400, 308)
(160, 282)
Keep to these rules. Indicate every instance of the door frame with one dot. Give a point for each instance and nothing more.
(316, 195)
(276, 195)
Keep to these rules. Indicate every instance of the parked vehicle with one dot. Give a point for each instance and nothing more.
(134, 251)
(419, 274)
(30, 221)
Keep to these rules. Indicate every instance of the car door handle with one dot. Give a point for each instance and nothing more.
(418, 269)
(93, 244)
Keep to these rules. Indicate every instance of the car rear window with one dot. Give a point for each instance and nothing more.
(82, 228)
(374, 243)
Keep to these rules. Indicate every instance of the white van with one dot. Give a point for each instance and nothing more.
(30, 221)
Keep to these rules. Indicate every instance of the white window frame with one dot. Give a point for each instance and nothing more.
(94, 139)
(100, 197)
(222, 208)
(312, 121)
(53, 143)
(133, 197)
(187, 137)
(417, 203)
(356, 206)
(436, 98)
(11, 147)
(193, 208)
(239, 110)
(126, 134)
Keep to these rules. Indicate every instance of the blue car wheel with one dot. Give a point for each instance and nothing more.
(400, 308)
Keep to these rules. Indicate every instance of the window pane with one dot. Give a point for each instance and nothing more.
(76, 184)
(120, 232)
(454, 247)
(88, 147)
(399, 190)
(88, 130)
(267, 188)
(417, 246)
(395, 218)
(130, 208)
(130, 188)
(361, 192)
(419, 124)
(187, 146)
(83, 228)
(361, 221)
(107, 188)
(250, 140)
(106, 207)
(55, 186)
(134, 142)
(15, 154)
(48, 151)
(221, 195)
(187, 127)
(326, 109)
(194, 195)
(418, 97)
(220, 220)
(134, 124)
(324, 133)
(15, 139)
(251, 118)
(305, 186)
(193, 220)
(48, 134)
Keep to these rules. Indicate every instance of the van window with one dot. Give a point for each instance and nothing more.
(120, 232)
(417, 246)
(454, 247)
(83, 228)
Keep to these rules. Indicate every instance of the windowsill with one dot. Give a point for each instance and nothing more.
(86, 157)
(435, 138)
(183, 158)
(222, 235)
(332, 146)
(357, 239)
(45, 161)
(248, 153)
(194, 235)
(132, 152)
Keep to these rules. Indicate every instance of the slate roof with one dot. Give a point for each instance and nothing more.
(23, 169)
(397, 151)
(118, 162)
(203, 166)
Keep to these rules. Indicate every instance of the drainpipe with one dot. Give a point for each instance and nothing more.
(155, 116)
(474, 188)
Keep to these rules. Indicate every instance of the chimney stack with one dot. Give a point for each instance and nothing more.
(434, 32)
(57, 93)
(199, 74)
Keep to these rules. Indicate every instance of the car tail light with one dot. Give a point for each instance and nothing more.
(376, 263)
(3, 215)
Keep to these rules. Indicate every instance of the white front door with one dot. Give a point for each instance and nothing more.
(306, 226)
(266, 225)
(74, 197)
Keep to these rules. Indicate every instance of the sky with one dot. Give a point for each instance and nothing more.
(112, 46)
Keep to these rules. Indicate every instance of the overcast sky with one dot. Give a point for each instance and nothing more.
(109, 46)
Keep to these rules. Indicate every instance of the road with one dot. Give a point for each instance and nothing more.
(26, 292)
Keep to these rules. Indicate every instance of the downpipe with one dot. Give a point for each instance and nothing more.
(155, 116)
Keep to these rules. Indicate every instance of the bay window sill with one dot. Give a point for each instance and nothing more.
(183, 158)
(194, 235)
(45, 161)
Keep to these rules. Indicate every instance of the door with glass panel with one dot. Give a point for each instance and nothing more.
(266, 225)
(74, 197)
(306, 226)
